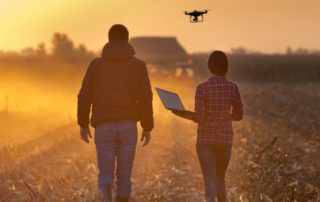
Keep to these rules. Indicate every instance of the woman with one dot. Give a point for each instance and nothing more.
(217, 104)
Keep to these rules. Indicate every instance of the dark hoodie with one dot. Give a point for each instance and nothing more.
(117, 87)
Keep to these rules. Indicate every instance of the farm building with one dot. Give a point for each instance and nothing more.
(159, 50)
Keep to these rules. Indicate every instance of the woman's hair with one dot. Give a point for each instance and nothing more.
(218, 63)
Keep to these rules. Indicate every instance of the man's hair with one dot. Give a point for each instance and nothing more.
(118, 33)
(218, 63)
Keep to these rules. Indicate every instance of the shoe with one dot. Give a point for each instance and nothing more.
(122, 199)
(212, 199)
(105, 193)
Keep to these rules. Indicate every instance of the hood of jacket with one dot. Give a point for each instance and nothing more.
(117, 51)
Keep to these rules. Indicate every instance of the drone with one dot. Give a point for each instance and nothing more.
(194, 15)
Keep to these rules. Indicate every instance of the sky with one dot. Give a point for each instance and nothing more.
(261, 25)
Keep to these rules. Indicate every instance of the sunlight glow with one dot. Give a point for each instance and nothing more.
(259, 25)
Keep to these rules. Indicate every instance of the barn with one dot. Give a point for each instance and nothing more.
(159, 50)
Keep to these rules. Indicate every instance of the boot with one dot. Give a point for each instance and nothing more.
(105, 193)
(212, 199)
(122, 199)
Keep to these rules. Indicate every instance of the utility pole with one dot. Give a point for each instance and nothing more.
(6, 104)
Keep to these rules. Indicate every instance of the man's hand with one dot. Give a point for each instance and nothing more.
(146, 137)
(85, 134)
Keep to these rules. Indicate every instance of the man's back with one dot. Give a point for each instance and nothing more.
(118, 87)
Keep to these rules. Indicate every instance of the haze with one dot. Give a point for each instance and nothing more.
(267, 26)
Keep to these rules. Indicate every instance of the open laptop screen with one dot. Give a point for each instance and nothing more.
(170, 100)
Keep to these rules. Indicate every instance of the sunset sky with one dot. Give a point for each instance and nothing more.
(261, 25)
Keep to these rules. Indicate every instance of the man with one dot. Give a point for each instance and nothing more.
(117, 88)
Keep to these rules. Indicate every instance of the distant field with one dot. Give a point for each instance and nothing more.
(251, 68)
(43, 159)
(267, 68)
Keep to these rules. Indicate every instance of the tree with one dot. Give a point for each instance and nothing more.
(82, 51)
(41, 50)
(239, 51)
(62, 46)
(289, 50)
(29, 51)
(302, 51)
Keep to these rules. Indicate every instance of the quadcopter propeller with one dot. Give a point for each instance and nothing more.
(196, 15)
(206, 10)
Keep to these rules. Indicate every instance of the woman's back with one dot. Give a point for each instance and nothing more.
(217, 103)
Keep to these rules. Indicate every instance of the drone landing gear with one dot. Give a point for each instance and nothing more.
(196, 19)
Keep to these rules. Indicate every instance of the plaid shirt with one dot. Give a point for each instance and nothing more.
(217, 104)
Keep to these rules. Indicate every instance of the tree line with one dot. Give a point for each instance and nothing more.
(62, 47)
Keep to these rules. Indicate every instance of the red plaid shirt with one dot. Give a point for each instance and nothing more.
(217, 104)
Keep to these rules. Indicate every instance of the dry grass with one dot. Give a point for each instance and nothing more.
(54, 165)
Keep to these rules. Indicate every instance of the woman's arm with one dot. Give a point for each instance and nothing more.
(199, 114)
(184, 114)
(237, 107)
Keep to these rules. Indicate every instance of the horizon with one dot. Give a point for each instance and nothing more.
(266, 26)
(232, 50)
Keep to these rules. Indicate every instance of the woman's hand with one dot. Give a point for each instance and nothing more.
(184, 114)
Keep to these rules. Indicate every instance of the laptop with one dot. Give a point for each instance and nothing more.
(171, 100)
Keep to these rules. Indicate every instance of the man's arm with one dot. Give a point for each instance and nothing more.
(85, 99)
(237, 107)
(145, 101)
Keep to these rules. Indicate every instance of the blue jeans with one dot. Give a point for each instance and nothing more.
(116, 144)
(214, 160)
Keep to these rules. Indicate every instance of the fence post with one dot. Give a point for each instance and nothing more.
(6, 104)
